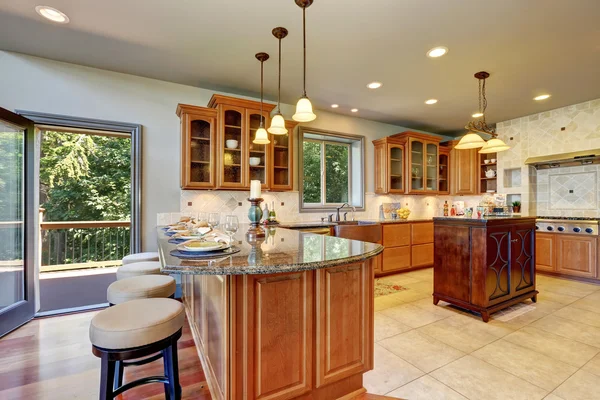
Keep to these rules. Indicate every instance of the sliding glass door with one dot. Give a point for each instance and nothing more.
(17, 236)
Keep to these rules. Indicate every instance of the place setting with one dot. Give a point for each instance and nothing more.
(206, 242)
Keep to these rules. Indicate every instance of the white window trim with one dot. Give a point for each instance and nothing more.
(323, 206)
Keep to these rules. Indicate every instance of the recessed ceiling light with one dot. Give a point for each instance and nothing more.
(374, 85)
(334, 105)
(431, 101)
(541, 97)
(477, 115)
(354, 110)
(437, 52)
(52, 14)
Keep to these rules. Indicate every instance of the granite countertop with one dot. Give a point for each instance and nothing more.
(484, 219)
(325, 224)
(283, 250)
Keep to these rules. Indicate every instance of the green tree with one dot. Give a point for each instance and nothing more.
(336, 172)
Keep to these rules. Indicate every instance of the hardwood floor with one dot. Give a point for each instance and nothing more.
(51, 358)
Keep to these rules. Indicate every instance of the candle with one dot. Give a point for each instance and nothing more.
(255, 189)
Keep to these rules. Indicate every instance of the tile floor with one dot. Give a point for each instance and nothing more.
(545, 350)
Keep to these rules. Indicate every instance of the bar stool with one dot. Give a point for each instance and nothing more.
(138, 268)
(142, 330)
(140, 287)
(137, 257)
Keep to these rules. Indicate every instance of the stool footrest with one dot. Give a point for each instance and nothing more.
(139, 382)
(136, 363)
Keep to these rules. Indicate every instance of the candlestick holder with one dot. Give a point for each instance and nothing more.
(255, 214)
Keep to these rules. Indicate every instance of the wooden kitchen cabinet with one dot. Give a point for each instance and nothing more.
(444, 174)
(407, 245)
(545, 251)
(261, 151)
(389, 166)
(198, 142)
(464, 169)
(484, 265)
(576, 255)
(282, 154)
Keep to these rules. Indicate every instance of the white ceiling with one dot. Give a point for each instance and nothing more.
(528, 46)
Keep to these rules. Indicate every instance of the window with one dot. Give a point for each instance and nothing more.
(331, 171)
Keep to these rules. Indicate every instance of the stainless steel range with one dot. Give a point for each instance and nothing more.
(570, 225)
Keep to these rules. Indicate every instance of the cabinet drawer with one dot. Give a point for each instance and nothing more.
(545, 252)
(422, 233)
(396, 235)
(422, 255)
(396, 258)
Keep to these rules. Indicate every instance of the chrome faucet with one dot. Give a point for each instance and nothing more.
(337, 217)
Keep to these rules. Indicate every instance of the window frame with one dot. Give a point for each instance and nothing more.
(329, 137)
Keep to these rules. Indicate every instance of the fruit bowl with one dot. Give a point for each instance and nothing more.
(403, 213)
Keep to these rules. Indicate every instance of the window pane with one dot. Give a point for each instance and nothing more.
(336, 173)
(312, 172)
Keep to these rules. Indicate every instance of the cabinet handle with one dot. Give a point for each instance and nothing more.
(515, 240)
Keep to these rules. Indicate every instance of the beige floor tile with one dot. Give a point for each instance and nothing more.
(568, 290)
(547, 306)
(552, 396)
(594, 296)
(412, 316)
(399, 279)
(441, 308)
(383, 302)
(569, 329)
(558, 347)
(424, 286)
(579, 315)
(422, 351)
(411, 295)
(593, 366)
(556, 297)
(581, 386)
(422, 274)
(477, 379)
(529, 365)
(386, 327)
(426, 388)
(588, 304)
(498, 328)
(390, 372)
(462, 334)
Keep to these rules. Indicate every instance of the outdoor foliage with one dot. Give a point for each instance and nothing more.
(11, 169)
(336, 172)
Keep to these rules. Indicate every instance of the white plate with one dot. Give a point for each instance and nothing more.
(219, 246)
(189, 237)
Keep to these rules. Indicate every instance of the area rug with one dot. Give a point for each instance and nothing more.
(384, 288)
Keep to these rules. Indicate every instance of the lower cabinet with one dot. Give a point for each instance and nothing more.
(576, 255)
(572, 255)
(396, 258)
(421, 255)
(407, 245)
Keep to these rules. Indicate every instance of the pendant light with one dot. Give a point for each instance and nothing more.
(473, 140)
(277, 122)
(261, 133)
(304, 110)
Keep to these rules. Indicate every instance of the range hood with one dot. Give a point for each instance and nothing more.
(575, 158)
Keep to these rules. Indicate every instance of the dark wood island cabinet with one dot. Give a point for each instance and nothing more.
(484, 265)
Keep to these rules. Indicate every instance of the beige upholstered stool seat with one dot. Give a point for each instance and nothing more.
(138, 268)
(140, 287)
(136, 323)
(137, 257)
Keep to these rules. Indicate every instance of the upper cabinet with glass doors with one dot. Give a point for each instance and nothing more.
(407, 162)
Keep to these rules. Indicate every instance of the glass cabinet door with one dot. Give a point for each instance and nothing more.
(431, 173)
(232, 174)
(396, 168)
(444, 186)
(417, 163)
(201, 145)
(282, 159)
(258, 152)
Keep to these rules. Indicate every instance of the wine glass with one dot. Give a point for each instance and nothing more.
(231, 226)
(214, 219)
(202, 217)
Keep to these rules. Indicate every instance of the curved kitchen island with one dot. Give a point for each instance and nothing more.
(289, 316)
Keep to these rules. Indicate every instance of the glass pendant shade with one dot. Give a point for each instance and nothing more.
(261, 136)
(304, 111)
(470, 141)
(277, 125)
(494, 146)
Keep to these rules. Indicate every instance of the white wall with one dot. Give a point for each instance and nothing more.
(36, 84)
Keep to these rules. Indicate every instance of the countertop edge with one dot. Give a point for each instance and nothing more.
(265, 270)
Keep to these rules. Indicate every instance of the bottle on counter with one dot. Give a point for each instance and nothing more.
(453, 211)
(266, 212)
(446, 208)
(272, 215)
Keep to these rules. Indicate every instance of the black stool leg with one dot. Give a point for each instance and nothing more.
(119, 371)
(172, 389)
(107, 375)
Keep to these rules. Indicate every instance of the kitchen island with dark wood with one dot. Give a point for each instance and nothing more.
(484, 265)
(289, 316)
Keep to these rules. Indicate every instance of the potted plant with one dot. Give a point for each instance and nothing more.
(516, 206)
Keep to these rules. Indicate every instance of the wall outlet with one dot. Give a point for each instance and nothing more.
(239, 203)
(189, 203)
(282, 204)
